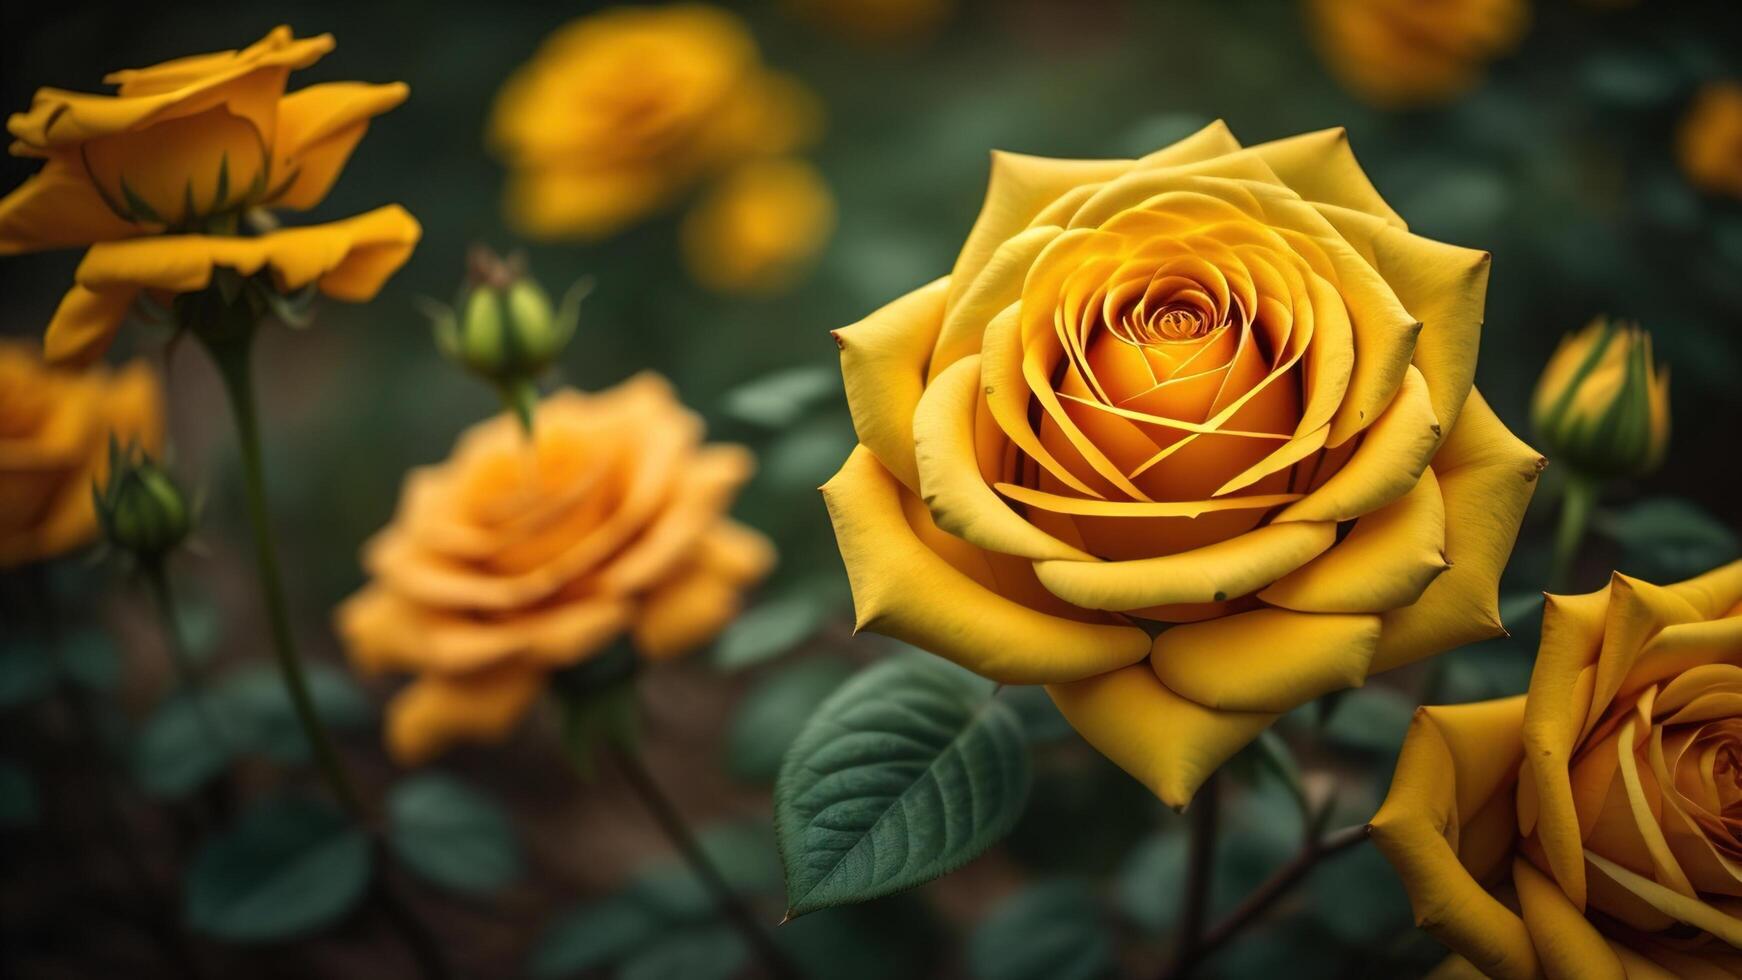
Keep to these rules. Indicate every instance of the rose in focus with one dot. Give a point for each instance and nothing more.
(513, 559)
(1588, 829)
(55, 432)
(621, 111)
(159, 178)
(1190, 439)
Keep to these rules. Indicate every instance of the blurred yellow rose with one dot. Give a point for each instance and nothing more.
(55, 427)
(877, 21)
(511, 560)
(1190, 439)
(759, 226)
(622, 110)
(1602, 404)
(1710, 141)
(1588, 829)
(157, 177)
(1403, 53)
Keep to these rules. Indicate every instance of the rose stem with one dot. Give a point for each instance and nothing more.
(1200, 868)
(232, 357)
(115, 824)
(1576, 503)
(231, 353)
(1259, 901)
(678, 832)
(163, 598)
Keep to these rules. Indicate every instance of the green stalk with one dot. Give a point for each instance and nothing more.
(231, 355)
(187, 675)
(1577, 502)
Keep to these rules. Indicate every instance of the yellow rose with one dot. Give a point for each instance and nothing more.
(1189, 439)
(758, 227)
(1588, 828)
(512, 560)
(1710, 141)
(1401, 53)
(156, 177)
(55, 427)
(1602, 404)
(622, 110)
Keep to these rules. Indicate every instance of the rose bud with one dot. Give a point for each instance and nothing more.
(504, 329)
(1602, 405)
(141, 510)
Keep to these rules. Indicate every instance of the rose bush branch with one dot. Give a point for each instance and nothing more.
(1263, 898)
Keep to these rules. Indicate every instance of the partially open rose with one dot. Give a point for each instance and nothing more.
(1190, 439)
(1589, 829)
(157, 176)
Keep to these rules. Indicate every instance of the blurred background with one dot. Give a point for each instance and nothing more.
(1564, 153)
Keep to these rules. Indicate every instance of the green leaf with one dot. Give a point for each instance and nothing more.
(1668, 538)
(714, 952)
(779, 399)
(26, 673)
(257, 697)
(907, 772)
(594, 935)
(452, 835)
(1144, 890)
(1050, 931)
(771, 629)
(187, 740)
(88, 659)
(774, 711)
(19, 806)
(661, 905)
(289, 867)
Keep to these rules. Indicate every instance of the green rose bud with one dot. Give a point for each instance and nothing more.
(1602, 405)
(504, 328)
(141, 510)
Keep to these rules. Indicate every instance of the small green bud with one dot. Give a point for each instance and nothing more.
(504, 328)
(1602, 404)
(140, 508)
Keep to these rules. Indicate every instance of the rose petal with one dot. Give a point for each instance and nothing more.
(1166, 742)
(904, 589)
(1232, 664)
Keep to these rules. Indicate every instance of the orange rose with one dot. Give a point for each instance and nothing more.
(1710, 141)
(1398, 53)
(1589, 829)
(55, 427)
(510, 561)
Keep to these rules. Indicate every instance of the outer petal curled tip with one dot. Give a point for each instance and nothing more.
(1166, 742)
(1416, 828)
(883, 365)
(904, 589)
(1486, 477)
(318, 127)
